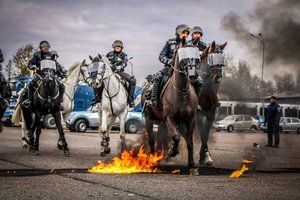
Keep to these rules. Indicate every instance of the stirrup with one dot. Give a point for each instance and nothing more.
(131, 104)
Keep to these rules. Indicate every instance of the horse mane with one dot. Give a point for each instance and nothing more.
(105, 60)
(71, 69)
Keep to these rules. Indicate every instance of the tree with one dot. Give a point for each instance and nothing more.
(9, 70)
(285, 82)
(22, 57)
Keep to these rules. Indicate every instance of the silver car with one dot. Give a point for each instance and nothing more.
(80, 121)
(286, 125)
(237, 122)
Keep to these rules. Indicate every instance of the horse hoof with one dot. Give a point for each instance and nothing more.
(67, 153)
(25, 145)
(122, 136)
(102, 153)
(191, 165)
(107, 150)
(59, 145)
(173, 153)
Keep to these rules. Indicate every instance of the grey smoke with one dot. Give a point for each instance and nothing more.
(279, 23)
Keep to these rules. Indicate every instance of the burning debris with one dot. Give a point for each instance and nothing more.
(127, 163)
(238, 173)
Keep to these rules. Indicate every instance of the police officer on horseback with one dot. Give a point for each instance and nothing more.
(197, 34)
(119, 60)
(166, 57)
(34, 63)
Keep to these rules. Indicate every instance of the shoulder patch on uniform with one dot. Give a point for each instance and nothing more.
(172, 41)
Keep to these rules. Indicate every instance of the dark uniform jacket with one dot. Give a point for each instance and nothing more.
(167, 52)
(117, 59)
(38, 57)
(273, 113)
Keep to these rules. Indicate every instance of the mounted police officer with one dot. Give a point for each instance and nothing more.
(272, 118)
(166, 57)
(119, 60)
(60, 70)
(197, 34)
(35, 63)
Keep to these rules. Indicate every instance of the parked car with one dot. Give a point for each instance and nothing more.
(80, 121)
(237, 122)
(286, 125)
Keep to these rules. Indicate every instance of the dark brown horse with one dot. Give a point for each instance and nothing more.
(212, 62)
(178, 106)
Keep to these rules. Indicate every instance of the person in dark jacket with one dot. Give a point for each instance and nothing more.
(166, 57)
(272, 117)
(35, 63)
(5, 92)
(119, 60)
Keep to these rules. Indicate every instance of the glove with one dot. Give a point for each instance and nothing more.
(33, 67)
(170, 62)
(118, 68)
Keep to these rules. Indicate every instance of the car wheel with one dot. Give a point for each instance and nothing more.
(230, 128)
(49, 122)
(81, 125)
(132, 126)
(298, 130)
(253, 129)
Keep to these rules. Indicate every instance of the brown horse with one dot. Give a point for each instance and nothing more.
(178, 105)
(212, 62)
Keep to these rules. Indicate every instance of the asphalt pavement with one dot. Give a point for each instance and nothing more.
(275, 173)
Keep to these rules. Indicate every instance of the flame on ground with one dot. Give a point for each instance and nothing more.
(238, 173)
(128, 163)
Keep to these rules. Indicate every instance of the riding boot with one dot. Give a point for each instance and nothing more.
(97, 95)
(154, 94)
(131, 90)
(61, 95)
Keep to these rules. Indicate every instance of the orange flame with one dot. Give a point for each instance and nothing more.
(239, 172)
(128, 164)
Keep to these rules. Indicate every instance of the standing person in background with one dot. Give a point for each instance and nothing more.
(272, 118)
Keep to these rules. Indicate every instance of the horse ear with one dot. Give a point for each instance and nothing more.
(183, 42)
(83, 62)
(91, 58)
(222, 46)
(212, 47)
(99, 56)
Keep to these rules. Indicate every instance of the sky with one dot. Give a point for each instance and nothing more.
(77, 29)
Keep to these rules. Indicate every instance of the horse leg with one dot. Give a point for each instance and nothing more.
(38, 129)
(204, 125)
(57, 118)
(149, 132)
(122, 118)
(104, 133)
(162, 135)
(24, 128)
(189, 142)
(175, 137)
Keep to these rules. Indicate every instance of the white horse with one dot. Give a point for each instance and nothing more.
(114, 98)
(70, 82)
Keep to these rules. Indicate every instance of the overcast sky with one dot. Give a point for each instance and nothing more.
(78, 28)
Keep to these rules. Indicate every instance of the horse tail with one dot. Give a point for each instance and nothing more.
(16, 118)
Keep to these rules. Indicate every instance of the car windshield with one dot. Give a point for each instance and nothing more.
(228, 118)
(281, 120)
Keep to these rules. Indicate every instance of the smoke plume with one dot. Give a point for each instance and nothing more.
(279, 24)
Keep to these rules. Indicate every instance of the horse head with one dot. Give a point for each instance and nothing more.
(93, 73)
(48, 68)
(186, 57)
(213, 58)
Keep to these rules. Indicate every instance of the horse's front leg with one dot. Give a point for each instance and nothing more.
(62, 143)
(149, 132)
(175, 137)
(189, 141)
(24, 128)
(204, 125)
(104, 132)
(122, 118)
(162, 138)
(38, 130)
